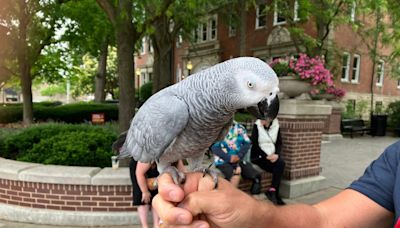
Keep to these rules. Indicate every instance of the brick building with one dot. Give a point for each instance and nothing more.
(266, 37)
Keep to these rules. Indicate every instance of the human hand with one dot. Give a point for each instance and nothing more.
(234, 159)
(237, 171)
(146, 197)
(273, 158)
(198, 203)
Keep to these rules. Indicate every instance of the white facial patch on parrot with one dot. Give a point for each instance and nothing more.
(253, 88)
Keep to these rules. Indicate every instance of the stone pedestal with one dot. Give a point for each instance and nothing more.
(302, 123)
(332, 124)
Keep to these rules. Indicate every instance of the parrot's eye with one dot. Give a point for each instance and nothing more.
(250, 84)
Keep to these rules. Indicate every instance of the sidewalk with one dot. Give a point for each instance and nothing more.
(342, 161)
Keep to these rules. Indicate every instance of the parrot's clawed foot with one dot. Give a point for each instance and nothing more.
(212, 173)
(177, 176)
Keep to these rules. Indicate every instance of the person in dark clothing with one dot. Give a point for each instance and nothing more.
(265, 152)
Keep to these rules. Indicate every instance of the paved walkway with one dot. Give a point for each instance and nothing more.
(342, 161)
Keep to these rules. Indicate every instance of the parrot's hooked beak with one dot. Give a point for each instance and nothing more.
(266, 109)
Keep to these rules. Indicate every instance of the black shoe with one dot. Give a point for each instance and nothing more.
(271, 195)
(280, 201)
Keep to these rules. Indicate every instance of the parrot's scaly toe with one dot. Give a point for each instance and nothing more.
(177, 176)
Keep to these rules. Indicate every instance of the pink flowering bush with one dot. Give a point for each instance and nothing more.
(309, 69)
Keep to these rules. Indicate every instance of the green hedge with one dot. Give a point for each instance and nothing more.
(71, 113)
(393, 111)
(61, 144)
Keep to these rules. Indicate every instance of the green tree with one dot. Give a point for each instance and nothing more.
(129, 22)
(181, 18)
(30, 26)
(380, 33)
(90, 32)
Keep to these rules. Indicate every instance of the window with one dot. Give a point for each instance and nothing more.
(261, 16)
(279, 18)
(398, 84)
(345, 66)
(296, 11)
(232, 28)
(355, 76)
(150, 47)
(380, 71)
(213, 28)
(207, 30)
(353, 11)
(142, 47)
(179, 41)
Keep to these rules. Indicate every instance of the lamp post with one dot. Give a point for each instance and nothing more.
(4, 94)
(189, 66)
(137, 72)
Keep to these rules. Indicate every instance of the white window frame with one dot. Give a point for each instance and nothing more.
(261, 13)
(355, 73)
(353, 11)
(380, 72)
(398, 83)
(296, 11)
(211, 29)
(276, 22)
(150, 46)
(143, 48)
(203, 32)
(345, 67)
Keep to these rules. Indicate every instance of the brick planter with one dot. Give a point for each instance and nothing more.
(63, 195)
(112, 198)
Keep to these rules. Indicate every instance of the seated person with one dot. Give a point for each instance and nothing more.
(265, 152)
(229, 154)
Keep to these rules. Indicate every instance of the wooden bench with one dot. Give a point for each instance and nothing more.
(352, 126)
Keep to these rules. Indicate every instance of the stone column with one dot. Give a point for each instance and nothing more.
(302, 123)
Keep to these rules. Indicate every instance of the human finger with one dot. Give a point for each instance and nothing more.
(169, 213)
(168, 189)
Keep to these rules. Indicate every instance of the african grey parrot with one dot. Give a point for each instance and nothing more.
(183, 120)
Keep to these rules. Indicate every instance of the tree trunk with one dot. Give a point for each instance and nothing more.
(24, 66)
(163, 55)
(242, 29)
(125, 50)
(26, 84)
(100, 79)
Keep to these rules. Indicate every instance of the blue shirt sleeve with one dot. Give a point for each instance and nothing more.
(378, 180)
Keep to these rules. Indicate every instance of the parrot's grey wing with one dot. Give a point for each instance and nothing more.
(224, 130)
(156, 125)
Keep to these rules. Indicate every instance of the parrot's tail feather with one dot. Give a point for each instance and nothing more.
(123, 153)
(119, 147)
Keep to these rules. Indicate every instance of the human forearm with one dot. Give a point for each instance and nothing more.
(299, 215)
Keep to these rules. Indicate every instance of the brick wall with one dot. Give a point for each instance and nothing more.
(66, 197)
(301, 140)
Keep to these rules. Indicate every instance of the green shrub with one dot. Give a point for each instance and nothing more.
(19, 143)
(76, 113)
(243, 117)
(393, 111)
(79, 148)
(10, 113)
(71, 113)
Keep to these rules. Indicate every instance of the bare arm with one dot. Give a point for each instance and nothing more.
(140, 172)
(347, 209)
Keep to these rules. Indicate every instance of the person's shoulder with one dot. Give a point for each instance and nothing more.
(392, 152)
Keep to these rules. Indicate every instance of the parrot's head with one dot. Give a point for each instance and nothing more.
(257, 88)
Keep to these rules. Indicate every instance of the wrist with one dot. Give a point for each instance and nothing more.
(264, 213)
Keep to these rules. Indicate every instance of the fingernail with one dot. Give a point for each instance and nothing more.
(182, 219)
(202, 226)
(173, 195)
